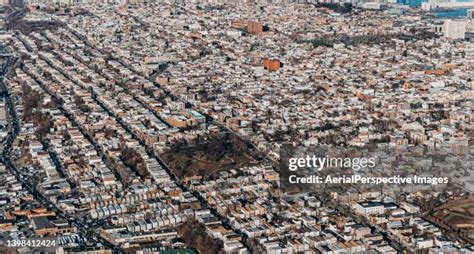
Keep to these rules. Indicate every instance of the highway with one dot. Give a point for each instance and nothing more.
(6, 158)
(150, 151)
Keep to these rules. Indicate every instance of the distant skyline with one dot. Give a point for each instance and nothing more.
(236, 128)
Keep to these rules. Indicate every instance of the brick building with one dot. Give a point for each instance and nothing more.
(271, 64)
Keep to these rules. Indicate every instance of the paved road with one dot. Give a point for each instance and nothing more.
(150, 151)
(6, 158)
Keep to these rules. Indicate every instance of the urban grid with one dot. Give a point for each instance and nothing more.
(142, 126)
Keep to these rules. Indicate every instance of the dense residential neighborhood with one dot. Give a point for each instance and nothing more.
(158, 126)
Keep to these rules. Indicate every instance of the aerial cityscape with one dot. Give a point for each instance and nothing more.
(236, 126)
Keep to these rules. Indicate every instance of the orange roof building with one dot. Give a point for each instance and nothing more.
(271, 64)
(254, 27)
